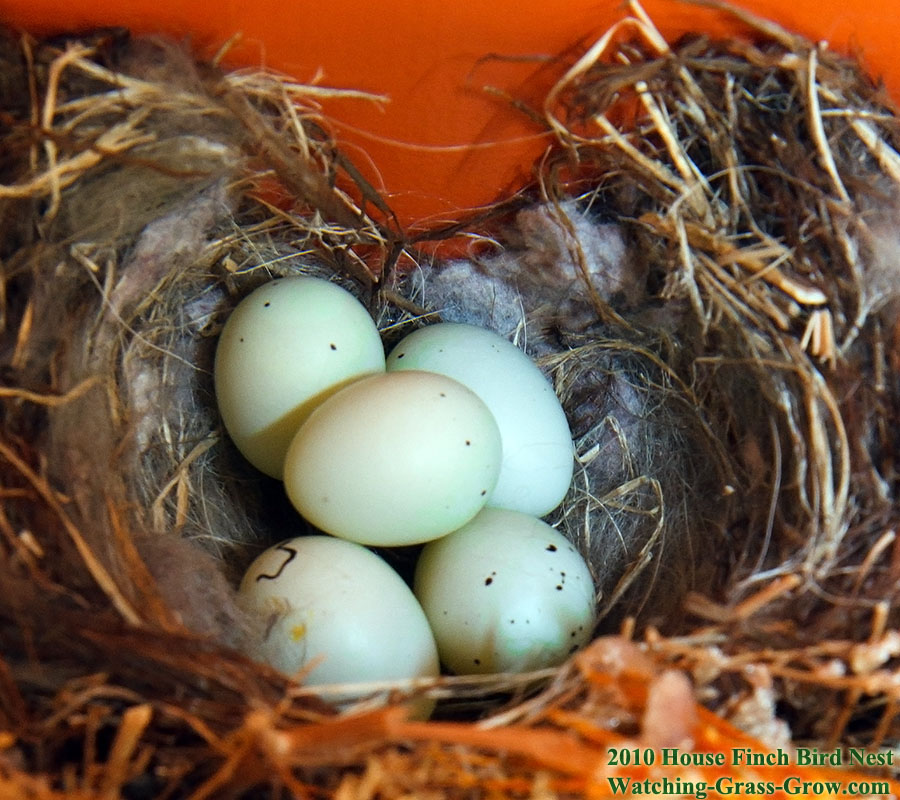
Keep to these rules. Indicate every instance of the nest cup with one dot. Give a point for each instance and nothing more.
(706, 268)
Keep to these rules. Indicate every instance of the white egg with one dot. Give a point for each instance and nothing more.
(505, 593)
(394, 459)
(538, 455)
(284, 349)
(326, 600)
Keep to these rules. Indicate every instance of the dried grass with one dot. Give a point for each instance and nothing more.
(733, 166)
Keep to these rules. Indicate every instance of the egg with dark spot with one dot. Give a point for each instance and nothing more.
(403, 457)
(477, 581)
(338, 611)
(284, 349)
(538, 455)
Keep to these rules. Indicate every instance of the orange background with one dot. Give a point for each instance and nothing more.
(442, 143)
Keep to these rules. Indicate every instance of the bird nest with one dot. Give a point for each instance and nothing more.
(706, 266)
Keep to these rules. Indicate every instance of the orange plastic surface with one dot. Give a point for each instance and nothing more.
(442, 144)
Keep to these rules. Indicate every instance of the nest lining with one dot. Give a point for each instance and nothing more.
(730, 377)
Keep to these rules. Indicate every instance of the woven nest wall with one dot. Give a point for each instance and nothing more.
(707, 268)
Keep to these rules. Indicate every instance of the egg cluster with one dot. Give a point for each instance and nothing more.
(456, 440)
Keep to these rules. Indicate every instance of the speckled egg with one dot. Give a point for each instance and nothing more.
(394, 459)
(286, 347)
(321, 598)
(538, 455)
(505, 593)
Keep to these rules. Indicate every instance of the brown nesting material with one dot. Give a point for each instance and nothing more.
(707, 268)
